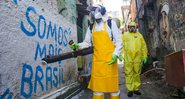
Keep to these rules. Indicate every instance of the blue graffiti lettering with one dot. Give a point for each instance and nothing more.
(60, 31)
(48, 77)
(38, 79)
(44, 30)
(55, 82)
(10, 97)
(44, 79)
(29, 33)
(56, 49)
(26, 80)
(61, 78)
(65, 38)
(6, 93)
(41, 51)
(59, 52)
(53, 31)
(16, 1)
(51, 50)
(53, 76)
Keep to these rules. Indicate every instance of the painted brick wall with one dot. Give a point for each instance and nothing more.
(29, 30)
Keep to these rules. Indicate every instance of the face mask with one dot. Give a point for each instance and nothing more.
(132, 29)
(98, 20)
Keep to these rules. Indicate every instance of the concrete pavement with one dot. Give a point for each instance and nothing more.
(148, 90)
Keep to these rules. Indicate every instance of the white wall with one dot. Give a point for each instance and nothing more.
(25, 40)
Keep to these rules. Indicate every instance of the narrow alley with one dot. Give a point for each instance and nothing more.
(151, 89)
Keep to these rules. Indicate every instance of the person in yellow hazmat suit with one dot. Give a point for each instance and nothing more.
(134, 55)
(107, 47)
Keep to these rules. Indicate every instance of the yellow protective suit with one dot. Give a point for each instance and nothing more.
(104, 77)
(134, 49)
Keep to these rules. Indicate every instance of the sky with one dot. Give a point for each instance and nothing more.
(114, 5)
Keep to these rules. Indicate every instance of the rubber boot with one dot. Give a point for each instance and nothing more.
(130, 94)
(114, 97)
(137, 92)
(98, 96)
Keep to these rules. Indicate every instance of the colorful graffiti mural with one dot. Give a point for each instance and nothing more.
(164, 23)
(177, 20)
(178, 16)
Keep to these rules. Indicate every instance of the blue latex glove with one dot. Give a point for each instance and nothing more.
(74, 46)
(144, 60)
(121, 58)
(113, 60)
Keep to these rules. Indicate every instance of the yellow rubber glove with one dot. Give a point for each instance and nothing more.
(113, 60)
(74, 46)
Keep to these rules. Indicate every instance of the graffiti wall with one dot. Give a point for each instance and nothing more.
(177, 19)
(30, 30)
